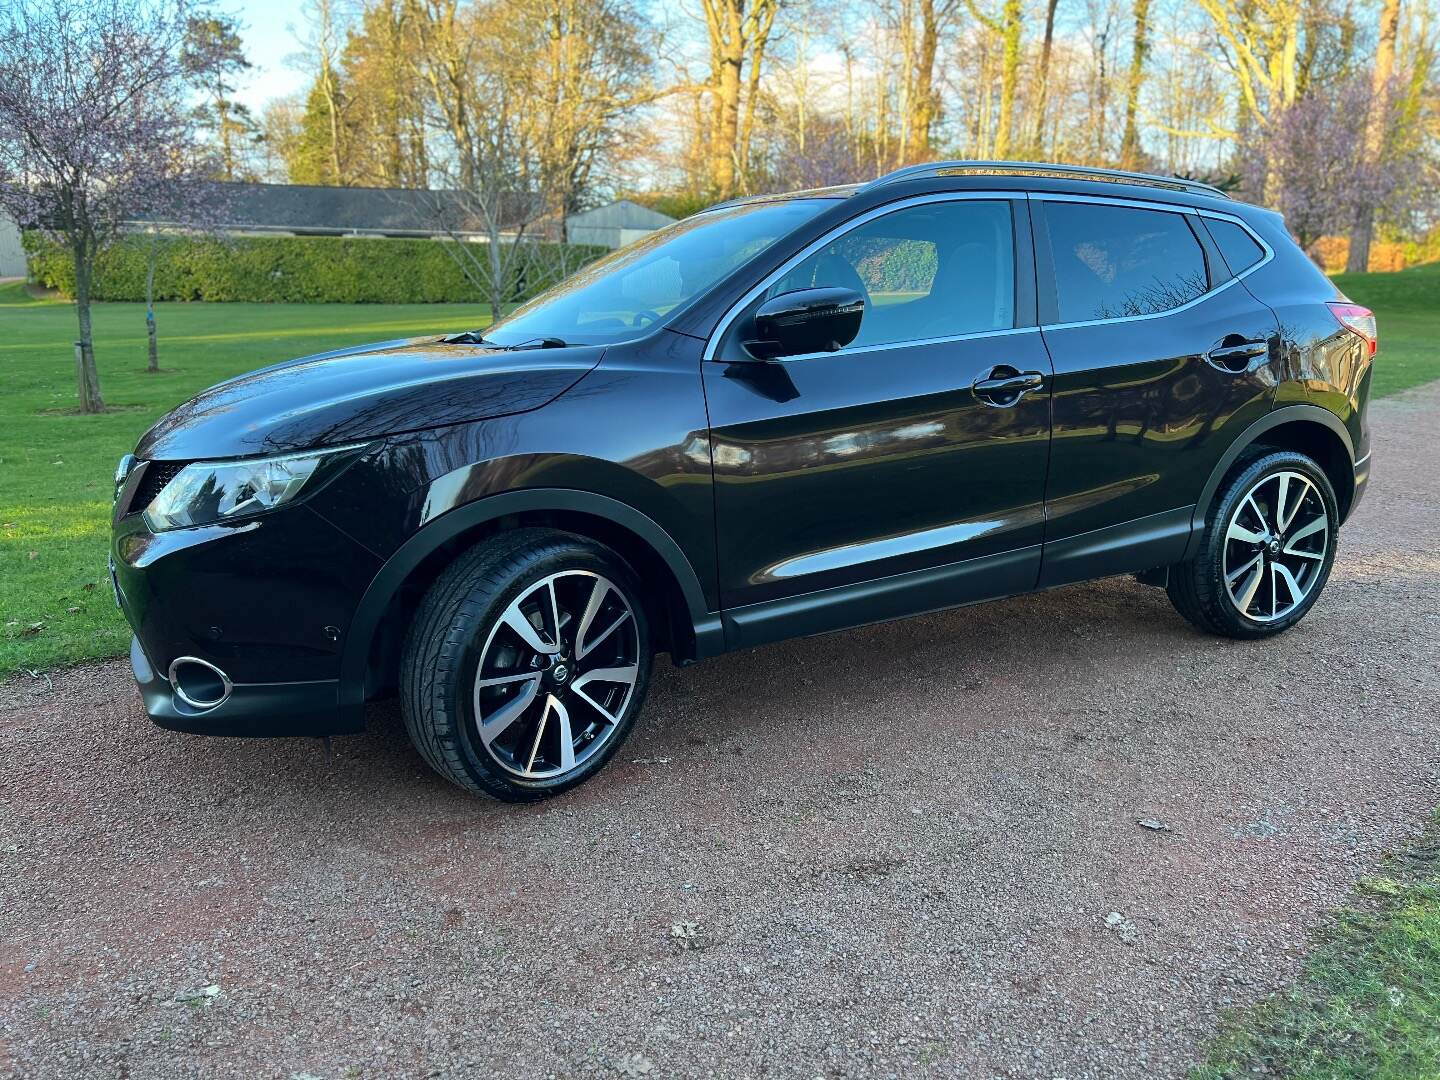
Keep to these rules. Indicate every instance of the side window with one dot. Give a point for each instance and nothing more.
(1236, 245)
(1116, 261)
(931, 271)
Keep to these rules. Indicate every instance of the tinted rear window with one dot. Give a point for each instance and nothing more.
(1236, 245)
(1118, 261)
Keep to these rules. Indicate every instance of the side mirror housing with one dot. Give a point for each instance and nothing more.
(806, 321)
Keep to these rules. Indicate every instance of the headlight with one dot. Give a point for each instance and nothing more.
(210, 491)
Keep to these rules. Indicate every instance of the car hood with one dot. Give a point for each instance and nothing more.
(351, 395)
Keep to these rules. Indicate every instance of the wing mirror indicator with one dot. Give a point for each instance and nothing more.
(806, 321)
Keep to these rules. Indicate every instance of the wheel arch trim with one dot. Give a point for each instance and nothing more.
(1289, 414)
(392, 576)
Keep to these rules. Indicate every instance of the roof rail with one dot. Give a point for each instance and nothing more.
(1041, 168)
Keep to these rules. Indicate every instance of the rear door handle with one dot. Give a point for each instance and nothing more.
(1004, 386)
(1235, 358)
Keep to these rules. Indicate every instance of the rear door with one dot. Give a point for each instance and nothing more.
(1161, 358)
(887, 477)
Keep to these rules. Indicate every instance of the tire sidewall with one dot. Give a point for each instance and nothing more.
(477, 614)
(1214, 554)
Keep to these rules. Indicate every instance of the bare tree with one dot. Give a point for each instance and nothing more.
(1007, 28)
(1140, 48)
(738, 32)
(325, 44)
(1377, 117)
(582, 70)
(92, 115)
(1042, 80)
(1259, 43)
(446, 62)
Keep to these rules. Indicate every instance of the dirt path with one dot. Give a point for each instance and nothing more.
(888, 852)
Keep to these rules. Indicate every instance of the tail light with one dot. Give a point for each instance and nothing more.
(1358, 320)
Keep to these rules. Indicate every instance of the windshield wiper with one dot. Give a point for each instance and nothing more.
(470, 337)
(473, 337)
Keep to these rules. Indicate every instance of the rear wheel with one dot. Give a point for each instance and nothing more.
(1266, 552)
(526, 664)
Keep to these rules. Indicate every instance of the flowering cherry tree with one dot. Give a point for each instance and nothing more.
(1324, 176)
(94, 128)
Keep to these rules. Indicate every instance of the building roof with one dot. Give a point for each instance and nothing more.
(307, 208)
(621, 214)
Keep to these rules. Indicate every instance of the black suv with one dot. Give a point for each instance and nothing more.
(782, 416)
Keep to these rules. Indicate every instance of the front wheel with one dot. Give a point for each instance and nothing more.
(1266, 552)
(526, 664)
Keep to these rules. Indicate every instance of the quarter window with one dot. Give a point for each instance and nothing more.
(937, 270)
(1236, 245)
(1117, 261)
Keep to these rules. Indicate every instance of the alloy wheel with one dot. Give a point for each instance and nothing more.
(1275, 546)
(556, 674)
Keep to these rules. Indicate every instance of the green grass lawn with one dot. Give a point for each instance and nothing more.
(1407, 305)
(1367, 1006)
(56, 467)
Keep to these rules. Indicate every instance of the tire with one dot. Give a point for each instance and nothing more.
(1219, 590)
(489, 619)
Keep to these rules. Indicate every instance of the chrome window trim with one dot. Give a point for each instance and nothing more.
(1141, 204)
(908, 343)
(712, 345)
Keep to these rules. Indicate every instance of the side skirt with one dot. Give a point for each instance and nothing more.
(1130, 547)
(883, 599)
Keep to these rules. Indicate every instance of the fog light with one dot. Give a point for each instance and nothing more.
(199, 683)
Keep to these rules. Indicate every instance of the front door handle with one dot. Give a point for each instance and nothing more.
(1004, 386)
(1236, 353)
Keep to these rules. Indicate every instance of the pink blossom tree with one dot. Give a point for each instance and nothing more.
(1317, 151)
(94, 129)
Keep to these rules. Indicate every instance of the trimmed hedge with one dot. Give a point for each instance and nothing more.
(288, 269)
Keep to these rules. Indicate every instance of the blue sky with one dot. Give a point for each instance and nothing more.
(269, 28)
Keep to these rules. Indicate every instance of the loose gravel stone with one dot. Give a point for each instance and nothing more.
(897, 849)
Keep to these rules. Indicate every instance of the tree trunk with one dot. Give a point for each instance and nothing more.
(727, 101)
(1037, 140)
(762, 19)
(1130, 143)
(1009, 76)
(87, 377)
(152, 364)
(332, 104)
(1362, 233)
(227, 136)
(920, 119)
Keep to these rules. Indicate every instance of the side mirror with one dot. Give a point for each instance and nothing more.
(806, 321)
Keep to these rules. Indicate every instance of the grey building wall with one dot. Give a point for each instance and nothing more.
(12, 257)
(614, 225)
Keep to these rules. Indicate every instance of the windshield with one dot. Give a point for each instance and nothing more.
(621, 295)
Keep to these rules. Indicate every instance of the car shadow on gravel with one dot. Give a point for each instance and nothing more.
(788, 699)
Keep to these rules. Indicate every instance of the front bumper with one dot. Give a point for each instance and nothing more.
(250, 710)
(266, 603)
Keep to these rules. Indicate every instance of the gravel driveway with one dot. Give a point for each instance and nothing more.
(891, 852)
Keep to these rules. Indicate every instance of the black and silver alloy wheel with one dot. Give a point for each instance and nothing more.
(1275, 546)
(1266, 551)
(526, 664)
(556, 674)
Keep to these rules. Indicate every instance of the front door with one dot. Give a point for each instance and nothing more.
(905, 472)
